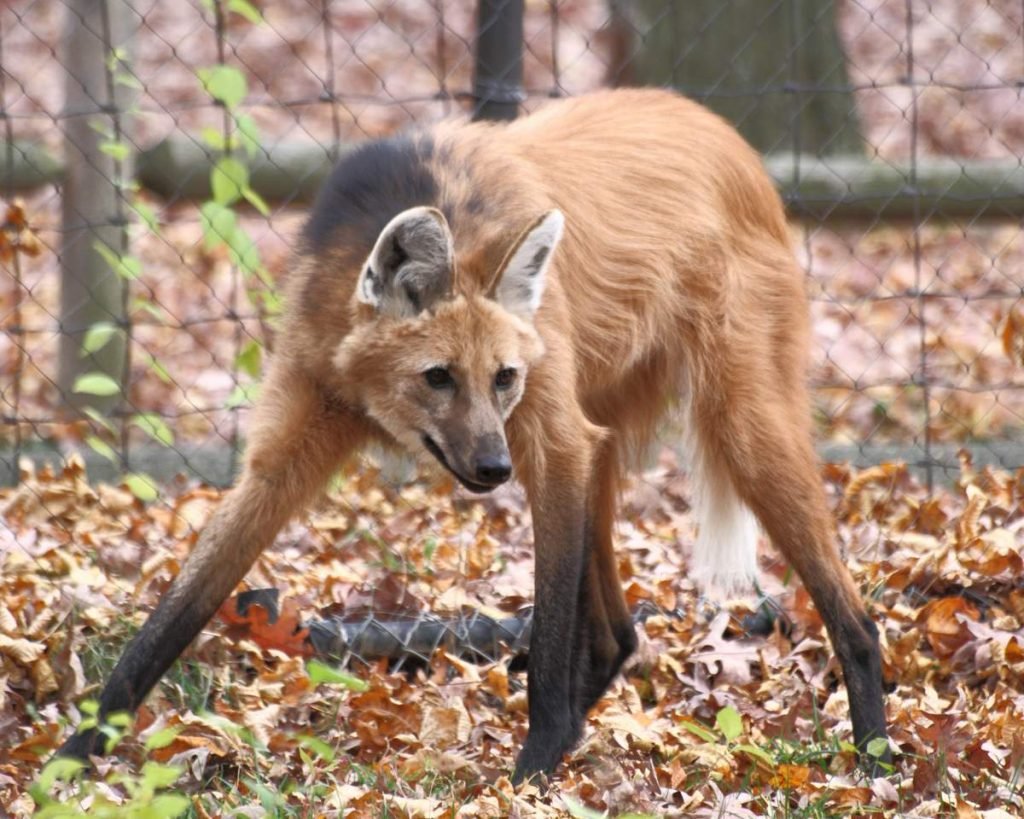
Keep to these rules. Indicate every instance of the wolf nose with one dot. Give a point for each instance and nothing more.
(493, 469)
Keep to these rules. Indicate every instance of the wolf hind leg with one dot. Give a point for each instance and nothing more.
(763, 443)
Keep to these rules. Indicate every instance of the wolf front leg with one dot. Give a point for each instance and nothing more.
(555, 725)
(555, 448)
(607, 634)
(298, 438)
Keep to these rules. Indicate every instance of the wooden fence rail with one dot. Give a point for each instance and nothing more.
(835, 187)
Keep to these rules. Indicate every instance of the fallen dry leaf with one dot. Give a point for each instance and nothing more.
(944, 627)
(270, 630)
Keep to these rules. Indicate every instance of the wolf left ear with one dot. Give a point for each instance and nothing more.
(520, 282)
(410, 266)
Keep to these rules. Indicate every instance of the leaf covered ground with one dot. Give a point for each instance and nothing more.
(708, 720)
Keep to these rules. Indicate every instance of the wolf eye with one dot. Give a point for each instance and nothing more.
(438, 377)
(505, 378)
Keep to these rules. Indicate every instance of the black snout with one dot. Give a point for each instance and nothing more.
(491, 464)
(493, 468)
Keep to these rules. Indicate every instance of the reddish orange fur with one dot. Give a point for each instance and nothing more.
(682, 283)
(674, 284)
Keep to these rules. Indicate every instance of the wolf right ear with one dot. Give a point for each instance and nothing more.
(519, 284)
(410, 266)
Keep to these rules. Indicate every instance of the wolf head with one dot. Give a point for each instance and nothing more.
(441, 369)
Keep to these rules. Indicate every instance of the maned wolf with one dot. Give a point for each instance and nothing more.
(531, 299)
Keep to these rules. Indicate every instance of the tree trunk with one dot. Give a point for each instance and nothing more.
(775, 70)
(93, 212)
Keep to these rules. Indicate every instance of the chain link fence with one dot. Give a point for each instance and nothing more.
(156, 160)
(165, 154)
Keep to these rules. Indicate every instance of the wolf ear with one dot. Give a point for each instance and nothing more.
(411, 265)
(519, 284)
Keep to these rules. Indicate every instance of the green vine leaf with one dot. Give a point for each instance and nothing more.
(102, 127)
(102, 448)
(245, 9)
(96, 384)
(97, 337)
(98, 419)
(156, 775)
(699, 731)
(318, 747)
(224, 83)
(147, 215)
(228, 180)
(729, 722)
(219, 224)
(128, 80)
(127, 267)
(155, 427)
(163, 738)
(244, 395)
(256, 201)
(322, 673)
(116, 150)
(756, 753)
(215, 139)
(249, 358)
(141, 486)
(158, 369)
(877, 747)
(244, 252)
(249, 133)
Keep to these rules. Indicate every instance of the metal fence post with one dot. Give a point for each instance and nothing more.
(498, 74)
